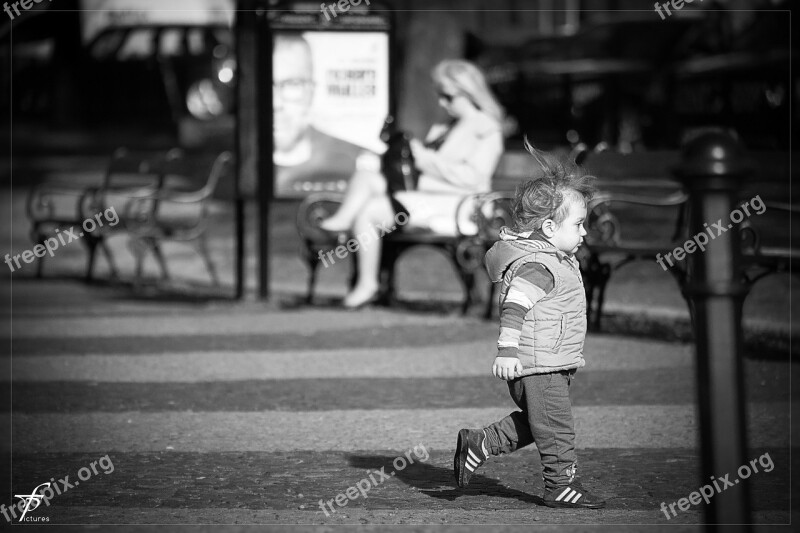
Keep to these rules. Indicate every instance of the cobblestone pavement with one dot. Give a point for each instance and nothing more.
(249, 414)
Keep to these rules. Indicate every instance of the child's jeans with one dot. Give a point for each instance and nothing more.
(546, 419)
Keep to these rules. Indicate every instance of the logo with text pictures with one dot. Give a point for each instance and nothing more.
(49, 490)
(29, 502)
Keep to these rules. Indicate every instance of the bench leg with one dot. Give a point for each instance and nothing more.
(589, 282)
(40, 268)
(91, 246)
(40, 239)
(313, 265)
(389, 255)
(93, 243)
(682, 278)
(352, 280)
(604, 276)
(487, 314)
(469, 290)
(162, 262)
(138, 248)
(597, 275)
(112, 266)
(205, 253)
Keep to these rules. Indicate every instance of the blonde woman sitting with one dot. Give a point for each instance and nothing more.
(456, 160)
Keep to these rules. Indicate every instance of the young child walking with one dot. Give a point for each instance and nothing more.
(542, 329)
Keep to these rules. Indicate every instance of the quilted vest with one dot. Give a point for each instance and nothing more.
(555, 327)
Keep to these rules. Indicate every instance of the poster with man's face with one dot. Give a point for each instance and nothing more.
(330, 98)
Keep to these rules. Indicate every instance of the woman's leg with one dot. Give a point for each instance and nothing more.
(363, 187)
(366, 229)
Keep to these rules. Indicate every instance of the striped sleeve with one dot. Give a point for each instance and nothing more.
(531, 283)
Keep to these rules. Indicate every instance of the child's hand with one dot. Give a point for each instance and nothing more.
(506, 368)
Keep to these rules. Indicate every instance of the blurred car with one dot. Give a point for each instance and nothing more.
(633, 84)
(33, 94)
(587, 84)
(176, 76)
(27, 67)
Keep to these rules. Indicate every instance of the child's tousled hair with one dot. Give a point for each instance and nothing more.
(546, 197)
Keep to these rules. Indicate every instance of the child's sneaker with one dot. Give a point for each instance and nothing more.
(469, 456)
(573, 496)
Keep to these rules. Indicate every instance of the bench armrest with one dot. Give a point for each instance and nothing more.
(603, 226)
(752, 245)
(179, 197)
(312, 211)
(61, 203)
(674, 199)
(488, 211)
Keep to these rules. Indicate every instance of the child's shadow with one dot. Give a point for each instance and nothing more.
(438, 482)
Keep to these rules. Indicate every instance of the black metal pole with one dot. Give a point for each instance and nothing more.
(712, 168)
(240, 30)
(265, 165)
(253, 136)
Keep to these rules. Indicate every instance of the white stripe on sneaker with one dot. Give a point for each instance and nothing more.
(576, 498)
(474, 457)
(471, 463)
(469, 466)
(566, 491)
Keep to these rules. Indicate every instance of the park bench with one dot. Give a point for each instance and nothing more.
(53, 207)
(167, 214)
(762, 257)
(641, 211)
(479, 219)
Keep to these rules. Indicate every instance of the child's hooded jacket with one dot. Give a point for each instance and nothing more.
(554, 327)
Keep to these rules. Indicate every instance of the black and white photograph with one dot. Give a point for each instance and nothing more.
(399, 265)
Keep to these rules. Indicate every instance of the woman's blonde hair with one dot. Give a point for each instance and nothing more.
(470, 81)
